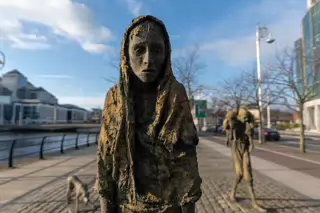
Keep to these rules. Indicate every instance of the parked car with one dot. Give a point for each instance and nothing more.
(221, 130)
(210, 128)
(269, 134)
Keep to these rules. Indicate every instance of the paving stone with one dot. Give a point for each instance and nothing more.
(217, 174)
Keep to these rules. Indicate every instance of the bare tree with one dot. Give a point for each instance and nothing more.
(235, 92)
(269, 93)
(218, 107)
(296, 90)
(188, 67)
(115, 65)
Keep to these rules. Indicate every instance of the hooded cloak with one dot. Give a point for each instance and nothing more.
(172, 133)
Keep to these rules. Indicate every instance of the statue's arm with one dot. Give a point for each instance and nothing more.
(225, 124)
(105, 182)
(250, 126)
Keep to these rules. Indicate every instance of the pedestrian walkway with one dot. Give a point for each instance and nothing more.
(40, 187)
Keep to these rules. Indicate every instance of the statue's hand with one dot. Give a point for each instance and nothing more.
(251, 147)
(188, 208)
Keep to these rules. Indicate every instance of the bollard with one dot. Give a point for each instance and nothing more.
(88, 137)
(76, 145)
(62, 142)
(10, 160)
(41, 147)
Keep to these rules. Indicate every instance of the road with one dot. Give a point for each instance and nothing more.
(312, 144)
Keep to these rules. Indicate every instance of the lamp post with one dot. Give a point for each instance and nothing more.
(2, 63)
(261, 33)
(268, 112)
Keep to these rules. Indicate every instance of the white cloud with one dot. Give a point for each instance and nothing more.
(20, 21)
(30, 45)
(238, 46)
(134, 6)
(95, 48)
(83, 101)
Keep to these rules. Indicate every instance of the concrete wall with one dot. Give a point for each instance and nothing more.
(311, 113)
(45, 113)
(61, 115)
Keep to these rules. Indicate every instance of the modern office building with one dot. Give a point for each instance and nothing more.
(22, 103)
(308, 63)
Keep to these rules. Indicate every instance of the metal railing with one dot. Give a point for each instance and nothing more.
(11, 150)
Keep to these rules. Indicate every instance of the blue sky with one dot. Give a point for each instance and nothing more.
(67, 46)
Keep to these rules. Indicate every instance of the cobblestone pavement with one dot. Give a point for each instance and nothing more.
(217, 174)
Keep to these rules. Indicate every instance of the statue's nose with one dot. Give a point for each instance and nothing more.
(147, 59)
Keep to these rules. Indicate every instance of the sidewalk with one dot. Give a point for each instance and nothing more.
(40, 187)
(40, 183)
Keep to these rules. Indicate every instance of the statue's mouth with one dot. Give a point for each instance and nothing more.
(148, 71)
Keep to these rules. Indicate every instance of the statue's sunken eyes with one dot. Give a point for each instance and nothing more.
(140, 49)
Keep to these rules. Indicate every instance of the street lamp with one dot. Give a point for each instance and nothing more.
(261, 33)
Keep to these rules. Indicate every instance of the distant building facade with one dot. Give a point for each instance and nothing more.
(276, 116)
(307, 67)
(22, 103)
(96, 115)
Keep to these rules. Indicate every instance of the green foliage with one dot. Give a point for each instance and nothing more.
(287, 126)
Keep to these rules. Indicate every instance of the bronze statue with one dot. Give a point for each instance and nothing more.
(241, 124)
(81, 191)
(147, 160)
(226, 126)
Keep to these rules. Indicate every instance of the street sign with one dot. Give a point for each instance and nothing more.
(201, 108)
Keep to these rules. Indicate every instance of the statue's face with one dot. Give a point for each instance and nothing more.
(147, 52)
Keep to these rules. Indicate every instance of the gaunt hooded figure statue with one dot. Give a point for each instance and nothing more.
(147, 159)
(240, 124)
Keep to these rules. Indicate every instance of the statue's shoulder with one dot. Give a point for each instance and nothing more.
(179, 90)
(229, 115)
(177, 86)
(251, 116)
(111, 97)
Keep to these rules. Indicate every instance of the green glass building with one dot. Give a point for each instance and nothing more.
(307, 49)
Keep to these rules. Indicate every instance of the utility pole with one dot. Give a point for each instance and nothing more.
(268, 112)
(261, 32)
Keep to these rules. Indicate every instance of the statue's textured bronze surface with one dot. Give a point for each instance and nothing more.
(241, 125)
(147, 159)
(81, 192)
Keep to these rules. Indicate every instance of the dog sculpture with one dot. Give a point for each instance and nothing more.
(81, 192)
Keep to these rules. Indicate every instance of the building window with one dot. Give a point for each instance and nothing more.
(33, 95)
(31, 112)
(21, 93)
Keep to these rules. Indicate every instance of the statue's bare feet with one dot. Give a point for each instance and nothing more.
(258, 208)
(232, 197)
